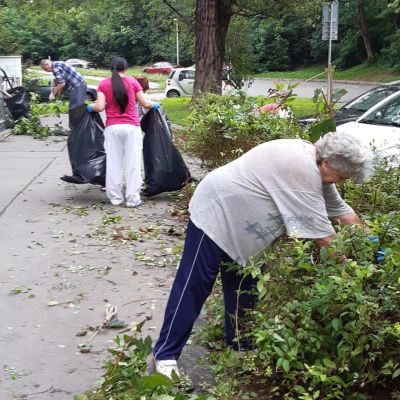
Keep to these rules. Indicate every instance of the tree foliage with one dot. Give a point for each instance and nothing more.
(248, 35)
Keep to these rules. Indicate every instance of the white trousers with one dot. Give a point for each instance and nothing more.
(123, 144)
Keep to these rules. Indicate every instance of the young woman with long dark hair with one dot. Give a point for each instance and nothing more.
(117, 95)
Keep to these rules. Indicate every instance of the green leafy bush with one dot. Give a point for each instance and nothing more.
(126, 375)
(330, 330)
(221, 128)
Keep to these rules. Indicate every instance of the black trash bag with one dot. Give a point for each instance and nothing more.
(164, 168)
(16, 99)
(18, 103)
(86, 148)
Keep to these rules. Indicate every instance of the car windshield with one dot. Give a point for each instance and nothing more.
(387, 114)
(369, 99)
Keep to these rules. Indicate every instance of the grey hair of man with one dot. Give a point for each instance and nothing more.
(45, 61)
(346, 155)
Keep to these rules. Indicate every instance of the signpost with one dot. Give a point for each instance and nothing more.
(330, 20)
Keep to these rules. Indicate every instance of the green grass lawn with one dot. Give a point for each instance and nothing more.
(363, 72)
(178, 109)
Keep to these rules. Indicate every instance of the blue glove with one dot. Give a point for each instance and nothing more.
(89, 107)
(381, 253)
(374, 239)
(155, 106)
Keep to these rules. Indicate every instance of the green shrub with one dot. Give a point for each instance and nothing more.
(327, 327)
(221, 128)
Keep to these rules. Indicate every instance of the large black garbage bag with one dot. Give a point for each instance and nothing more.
(18, 103)
(16, 98)
(164, 168)
(86, 148)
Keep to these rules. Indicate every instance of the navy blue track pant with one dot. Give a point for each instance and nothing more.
(198, 270)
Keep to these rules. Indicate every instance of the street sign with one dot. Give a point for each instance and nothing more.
(330, 20)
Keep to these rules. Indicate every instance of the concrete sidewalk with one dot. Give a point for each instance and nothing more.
(66, 253)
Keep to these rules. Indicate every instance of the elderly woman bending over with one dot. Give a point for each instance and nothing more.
(282, 187)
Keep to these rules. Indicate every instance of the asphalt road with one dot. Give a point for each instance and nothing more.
(306, 89)
(260, 87)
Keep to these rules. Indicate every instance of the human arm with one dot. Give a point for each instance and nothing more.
(349, 219)
(59, 79)
(58, 89)
(100, 104)
(144, 102)
(325, 241)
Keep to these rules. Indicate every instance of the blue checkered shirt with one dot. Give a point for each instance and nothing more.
(64, 73)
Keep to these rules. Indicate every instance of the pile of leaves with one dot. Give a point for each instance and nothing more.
(32, 125)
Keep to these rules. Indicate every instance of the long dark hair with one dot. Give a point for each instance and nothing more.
(119, 64)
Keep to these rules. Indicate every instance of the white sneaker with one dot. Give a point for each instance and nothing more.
(166, 367)
(137, 204)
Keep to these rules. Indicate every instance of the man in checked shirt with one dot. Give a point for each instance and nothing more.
(67, 78)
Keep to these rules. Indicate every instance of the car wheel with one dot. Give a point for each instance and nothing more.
(89, 96)
(173, 93)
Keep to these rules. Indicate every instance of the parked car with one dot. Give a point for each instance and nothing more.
(358, 106)
(78, 63)
(180, 82)
(160, 68)
(42, 87)
(379, 127)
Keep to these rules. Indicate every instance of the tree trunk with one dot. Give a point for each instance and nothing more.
(363, 29)
(212, 22)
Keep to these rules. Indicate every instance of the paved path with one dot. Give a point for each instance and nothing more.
(306, 89)
(63, 259)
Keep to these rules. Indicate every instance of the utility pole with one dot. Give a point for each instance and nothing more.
(177, 40)
(330, 17)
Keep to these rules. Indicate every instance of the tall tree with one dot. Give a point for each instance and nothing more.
(362, 25)
(212, 23)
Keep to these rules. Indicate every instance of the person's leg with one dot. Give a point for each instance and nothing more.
(113, 146)
(193, 283)
(133, 162)
(238, 296)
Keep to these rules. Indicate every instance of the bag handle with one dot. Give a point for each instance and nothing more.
(6, 77)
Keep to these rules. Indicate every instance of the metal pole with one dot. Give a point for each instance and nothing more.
(330, 78)
(177, 40)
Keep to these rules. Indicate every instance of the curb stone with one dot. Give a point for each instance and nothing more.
(324, 80)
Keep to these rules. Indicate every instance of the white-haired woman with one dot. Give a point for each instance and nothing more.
(282, 187)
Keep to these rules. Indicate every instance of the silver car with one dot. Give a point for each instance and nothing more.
(78, 63)
(180, 82)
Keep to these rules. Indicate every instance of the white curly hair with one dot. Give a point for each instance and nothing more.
(45, 61)
(346, 155)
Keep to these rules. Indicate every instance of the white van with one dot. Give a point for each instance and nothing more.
(180, 82)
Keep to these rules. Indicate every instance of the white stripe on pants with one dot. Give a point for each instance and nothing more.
(123, 144)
